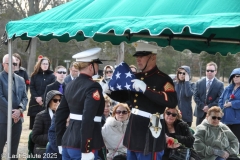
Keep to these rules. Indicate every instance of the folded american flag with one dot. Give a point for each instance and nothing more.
(121, 78)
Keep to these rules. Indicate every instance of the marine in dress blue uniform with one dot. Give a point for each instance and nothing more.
(84, 102)
(157, 94)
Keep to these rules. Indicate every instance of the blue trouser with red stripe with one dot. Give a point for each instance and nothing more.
(140, 156)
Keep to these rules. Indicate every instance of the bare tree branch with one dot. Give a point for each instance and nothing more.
(21, 9)
(45, 6)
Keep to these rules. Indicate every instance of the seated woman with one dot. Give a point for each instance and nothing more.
(213, 139)
(114, 129)
(177, 129)
(43, 122)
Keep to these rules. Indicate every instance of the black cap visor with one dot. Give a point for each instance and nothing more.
(97, 61)
(142, 53)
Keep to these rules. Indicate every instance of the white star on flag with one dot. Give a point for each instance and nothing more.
(118, 75)
(127, 86)
(128, 74)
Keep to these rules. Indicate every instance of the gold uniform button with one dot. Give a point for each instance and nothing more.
(142, 78)
(154, 89)
(136, 107)
(87, 150)
(88, 140)
(148, 87)
(88, 146)
(145, 74)
(135, 100)
(136, 95)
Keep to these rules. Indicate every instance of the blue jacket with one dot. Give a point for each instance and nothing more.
(231, 114)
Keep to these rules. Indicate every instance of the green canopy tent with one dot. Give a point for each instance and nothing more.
(198, 25)
(211, 26)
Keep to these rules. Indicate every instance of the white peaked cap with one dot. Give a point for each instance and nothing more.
(143, 46)
(90, 55)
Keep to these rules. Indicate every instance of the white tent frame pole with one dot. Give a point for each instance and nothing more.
(9, 116)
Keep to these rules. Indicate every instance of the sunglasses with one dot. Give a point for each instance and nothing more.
(123, 112)
(108, 72)
(14, 64)
(236, 76)
(183, 73)
(210, 71)
(173, 114)
(214, 117)
(61, 72)
(56, 100)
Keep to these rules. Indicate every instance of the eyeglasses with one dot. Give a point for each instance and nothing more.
(210, 71)
(14, 64)
(45, 64)
(61, 72)
(173, 114)
(108, 72)
(236, 76)
(214, 117)
(56, 100)
(183, 73)
(123, 112)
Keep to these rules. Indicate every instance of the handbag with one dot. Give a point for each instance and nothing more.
(180, 153)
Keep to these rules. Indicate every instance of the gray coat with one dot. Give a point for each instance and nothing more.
(19, 96)
(185, 90)
(202, 99)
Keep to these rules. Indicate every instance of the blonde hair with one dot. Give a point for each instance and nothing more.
(214, 109)
(179, 114)
(107, 99)
(118, 105)
(80, 65)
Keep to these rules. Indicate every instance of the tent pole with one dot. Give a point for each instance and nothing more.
(9, 116)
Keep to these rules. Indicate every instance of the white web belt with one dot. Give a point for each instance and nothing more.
(79, 117)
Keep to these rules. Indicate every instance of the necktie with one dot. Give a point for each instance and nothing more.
(208, 86)
(60, 88)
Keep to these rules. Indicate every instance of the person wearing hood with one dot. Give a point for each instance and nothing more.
(213, 139)
(107, 74)
(43, 122)
(40, 78)
(230, 103)
(185, 90)
(114, 129)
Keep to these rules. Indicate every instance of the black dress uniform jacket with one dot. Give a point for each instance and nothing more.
(159, 94)
(82, 96)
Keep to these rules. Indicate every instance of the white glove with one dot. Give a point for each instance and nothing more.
(106, 89)
(186, 76)
(87, 156)
(60, 149)
(138, 84)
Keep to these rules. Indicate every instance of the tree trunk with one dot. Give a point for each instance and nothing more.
(32, 56)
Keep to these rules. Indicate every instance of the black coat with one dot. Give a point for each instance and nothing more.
(40, 131)
(182, 134)
(38, 85)
(82, 96)
(159, 94)
(22, 73)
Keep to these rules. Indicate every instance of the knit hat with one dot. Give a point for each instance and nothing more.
(50, 95)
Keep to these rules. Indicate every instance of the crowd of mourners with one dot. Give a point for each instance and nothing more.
(73, 116)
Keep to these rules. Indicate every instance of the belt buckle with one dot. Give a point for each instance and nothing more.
(135, 111)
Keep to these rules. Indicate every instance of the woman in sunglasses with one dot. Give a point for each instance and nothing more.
(185, 88)
(43, 122)
(230, 103)
(113, 131)
(177, 129)
(213, 139)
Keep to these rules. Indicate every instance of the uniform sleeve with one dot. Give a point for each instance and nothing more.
(62, 114)
(38, 135)
(91, 105)
(199, 144)
(166, 97)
